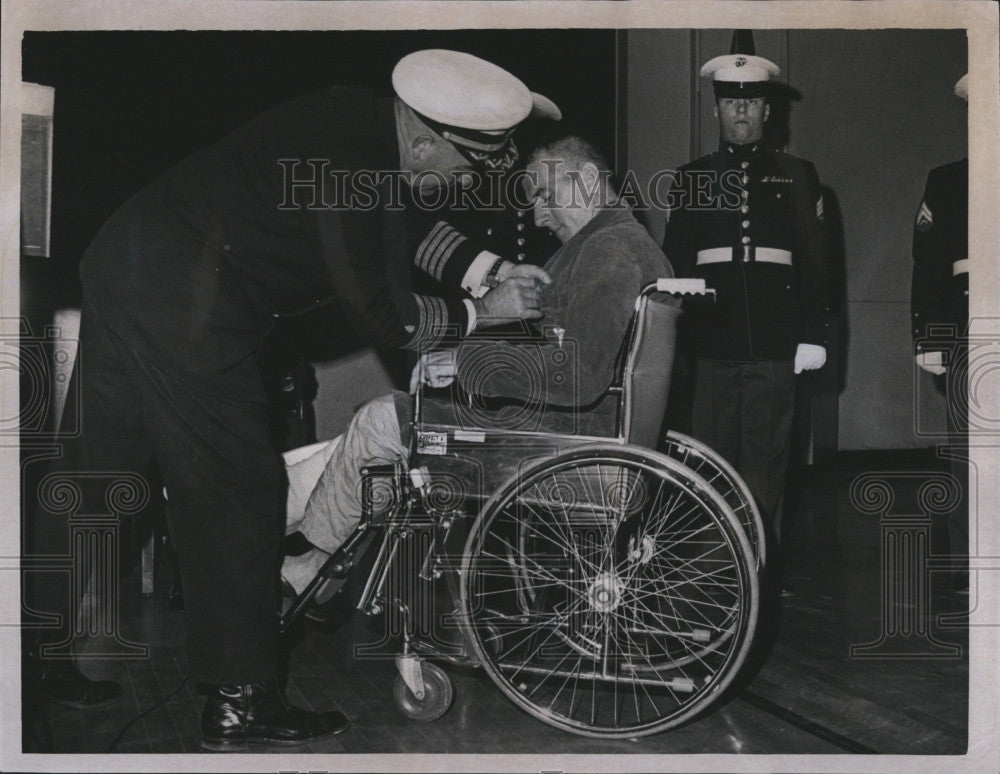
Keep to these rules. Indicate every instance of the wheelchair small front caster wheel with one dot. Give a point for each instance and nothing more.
(437, 695)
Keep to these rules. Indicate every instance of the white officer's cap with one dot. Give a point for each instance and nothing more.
(962, 88)
(739, 75)
(472, 103)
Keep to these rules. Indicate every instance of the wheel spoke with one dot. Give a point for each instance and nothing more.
(614, 589)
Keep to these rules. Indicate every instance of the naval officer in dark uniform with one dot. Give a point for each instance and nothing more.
(939, 308)
(179, 289)
(749, 221)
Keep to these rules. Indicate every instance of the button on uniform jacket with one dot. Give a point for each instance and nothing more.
(940, 290)
(753, 202)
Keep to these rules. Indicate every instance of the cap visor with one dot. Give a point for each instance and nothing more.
(543, 107)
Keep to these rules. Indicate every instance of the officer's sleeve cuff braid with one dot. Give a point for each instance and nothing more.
(446, 254)
(439, 320)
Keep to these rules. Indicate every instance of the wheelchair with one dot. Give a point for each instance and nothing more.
(607, 589)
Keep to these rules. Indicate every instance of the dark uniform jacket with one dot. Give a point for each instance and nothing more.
(446, 239)
(940, 290)
(268, 221)
(748, 199)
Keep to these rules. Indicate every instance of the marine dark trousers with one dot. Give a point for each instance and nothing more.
(744, 411)
(226, 489)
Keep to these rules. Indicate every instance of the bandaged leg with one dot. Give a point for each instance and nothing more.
(333, 509)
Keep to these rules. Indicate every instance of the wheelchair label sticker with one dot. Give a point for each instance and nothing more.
(432, 443)
(470, 437)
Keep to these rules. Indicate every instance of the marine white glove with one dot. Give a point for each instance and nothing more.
(435, 369)
(809, 357)
(932, 362)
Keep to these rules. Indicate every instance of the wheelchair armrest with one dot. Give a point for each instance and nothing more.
(684, 286)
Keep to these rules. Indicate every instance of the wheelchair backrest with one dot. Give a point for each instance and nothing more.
(647, 365)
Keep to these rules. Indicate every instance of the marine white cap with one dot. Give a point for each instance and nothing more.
(470, 102)
(739, 74)
(962, 88)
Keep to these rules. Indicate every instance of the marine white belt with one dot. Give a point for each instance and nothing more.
(960, 267)
(765, 254)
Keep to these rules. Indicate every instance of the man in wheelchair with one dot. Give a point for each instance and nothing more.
(605, 260)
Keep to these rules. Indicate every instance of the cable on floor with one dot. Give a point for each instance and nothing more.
(141, 715)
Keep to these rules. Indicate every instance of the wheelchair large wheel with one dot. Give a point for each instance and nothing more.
(721, 476)
(609, 591)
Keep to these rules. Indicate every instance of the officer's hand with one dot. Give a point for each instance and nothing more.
(435, 369)
(932, 362)
(510, 269)
(809, 357)
(515, 299)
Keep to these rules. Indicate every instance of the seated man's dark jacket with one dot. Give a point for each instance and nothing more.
(556, 379)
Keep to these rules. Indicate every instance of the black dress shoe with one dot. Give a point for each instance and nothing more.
(60, 682)
(235, 715)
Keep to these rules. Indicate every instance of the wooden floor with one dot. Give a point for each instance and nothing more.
(805, 693)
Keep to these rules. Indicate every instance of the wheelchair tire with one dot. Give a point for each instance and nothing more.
(438, 694)
(623, 587)
(722, 477)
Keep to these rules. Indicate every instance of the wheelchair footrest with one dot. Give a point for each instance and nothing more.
(328, 589)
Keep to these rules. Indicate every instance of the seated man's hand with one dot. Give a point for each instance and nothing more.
(514, 299)
(510, 269)
(435, 369)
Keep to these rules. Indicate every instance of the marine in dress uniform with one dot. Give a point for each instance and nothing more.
(749, 221)
(179, 289)
(939, 308)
